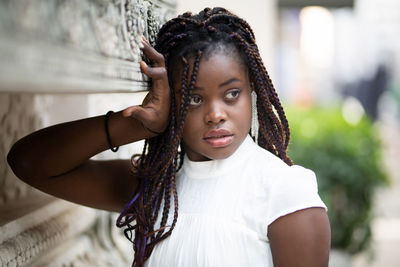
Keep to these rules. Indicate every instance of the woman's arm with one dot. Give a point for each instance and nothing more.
(55, 150)
(301, 239)
(56, 159)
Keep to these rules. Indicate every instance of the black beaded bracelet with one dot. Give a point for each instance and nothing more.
(113, 149)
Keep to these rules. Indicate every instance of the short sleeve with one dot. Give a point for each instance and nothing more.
(292, 190)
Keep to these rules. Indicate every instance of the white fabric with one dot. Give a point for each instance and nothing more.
(225, 207)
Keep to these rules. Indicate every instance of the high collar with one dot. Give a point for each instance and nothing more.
(213, 168)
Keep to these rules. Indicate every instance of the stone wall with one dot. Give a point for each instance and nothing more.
(59, 61)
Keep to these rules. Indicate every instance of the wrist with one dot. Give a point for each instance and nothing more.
(125, 130)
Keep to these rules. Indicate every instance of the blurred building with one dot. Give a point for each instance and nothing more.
(328, 50)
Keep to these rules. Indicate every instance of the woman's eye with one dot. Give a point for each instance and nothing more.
(195, 100)
(233, 94)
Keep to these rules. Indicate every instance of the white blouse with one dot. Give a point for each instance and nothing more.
(226, 206)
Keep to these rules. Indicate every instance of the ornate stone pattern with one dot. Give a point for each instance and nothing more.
(157, 14)
(54, 226)
(135, 25)
(76, 45)
(103, 245)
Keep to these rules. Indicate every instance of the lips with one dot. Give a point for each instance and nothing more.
(218, 138)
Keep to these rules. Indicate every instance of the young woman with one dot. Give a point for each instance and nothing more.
(202, 193)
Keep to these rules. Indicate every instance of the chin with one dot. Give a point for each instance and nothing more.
(221, 154)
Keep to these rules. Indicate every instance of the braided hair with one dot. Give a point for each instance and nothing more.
(193, 37)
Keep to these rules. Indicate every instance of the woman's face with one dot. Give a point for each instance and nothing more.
(219, 114)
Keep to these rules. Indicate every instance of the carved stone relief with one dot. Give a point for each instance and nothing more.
(101, 246)
(29, 235)
(76, 45)
(61, 48)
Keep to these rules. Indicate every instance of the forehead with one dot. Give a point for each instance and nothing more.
(213, 67)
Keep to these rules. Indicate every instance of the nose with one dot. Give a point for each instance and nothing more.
(215, 113)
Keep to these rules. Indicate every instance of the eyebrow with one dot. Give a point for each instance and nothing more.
(229, 81)
(222, 84)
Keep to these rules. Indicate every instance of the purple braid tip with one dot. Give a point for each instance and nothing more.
(125, 211)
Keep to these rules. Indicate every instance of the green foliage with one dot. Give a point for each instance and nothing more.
(347, 161)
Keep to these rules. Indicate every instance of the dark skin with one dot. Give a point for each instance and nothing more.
(57, 159)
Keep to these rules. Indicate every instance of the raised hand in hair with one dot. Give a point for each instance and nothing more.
(154, 111)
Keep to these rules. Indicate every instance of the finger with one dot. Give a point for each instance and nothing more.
(159, 78)
(145, 40)
(153, 72)
(152, 54)
(137, 112)
(129, 111)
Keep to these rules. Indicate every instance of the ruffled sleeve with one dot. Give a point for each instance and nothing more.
(293, 189)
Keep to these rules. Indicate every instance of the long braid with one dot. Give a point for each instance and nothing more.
(180, 39)
(275, 99)
(269, 122)
(167, 198)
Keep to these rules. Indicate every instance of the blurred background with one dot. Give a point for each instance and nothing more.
(340, 66)
(336, 67)
(334, 63)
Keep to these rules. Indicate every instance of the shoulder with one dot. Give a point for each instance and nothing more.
(295, 177)
(265, 160)
(275, 176)
(286, 189)
(290, 189)
(276, 172)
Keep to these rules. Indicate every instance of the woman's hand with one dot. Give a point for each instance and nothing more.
(154, 111)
